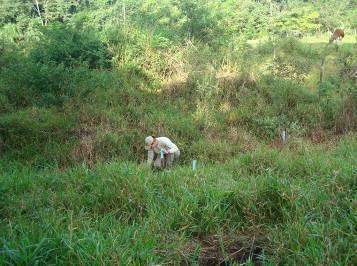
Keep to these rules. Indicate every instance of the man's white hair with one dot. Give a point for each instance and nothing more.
(148, 141)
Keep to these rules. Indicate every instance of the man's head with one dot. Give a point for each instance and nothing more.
(149, 142)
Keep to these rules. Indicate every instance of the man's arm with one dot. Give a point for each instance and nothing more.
(170, 147)
(173, 149)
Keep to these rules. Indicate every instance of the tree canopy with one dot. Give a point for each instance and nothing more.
(176, 19)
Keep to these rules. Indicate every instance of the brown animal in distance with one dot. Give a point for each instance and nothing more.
(337, 35)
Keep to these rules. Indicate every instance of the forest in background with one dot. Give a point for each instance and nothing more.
(83, 82)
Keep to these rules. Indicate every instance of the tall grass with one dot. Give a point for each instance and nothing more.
(77, 99)
(61, 108)
(294, 206)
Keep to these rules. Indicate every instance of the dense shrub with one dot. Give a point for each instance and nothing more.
(27, 83)
(63, 44)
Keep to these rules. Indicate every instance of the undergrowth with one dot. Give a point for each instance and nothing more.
(289, 206)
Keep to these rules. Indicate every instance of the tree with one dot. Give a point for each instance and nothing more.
(11, 10)
(297, 21)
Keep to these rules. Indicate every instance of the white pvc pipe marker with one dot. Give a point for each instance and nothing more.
(283, 135)
(194, 163)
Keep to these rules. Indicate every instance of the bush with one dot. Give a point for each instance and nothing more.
(62, 44)
(36, 135)
(29, 83)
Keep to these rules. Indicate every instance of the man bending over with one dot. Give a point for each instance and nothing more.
(164, 145)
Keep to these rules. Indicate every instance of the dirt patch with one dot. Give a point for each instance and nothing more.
(225, 250)
(318, 136)
(216, 252)
(277, 143)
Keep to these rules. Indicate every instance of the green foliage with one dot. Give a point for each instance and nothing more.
(335, 13)
(28, 83)
(83, 82)
(37, 135)
(285, 202)
(297, 22)
(13, 9)
(131, 97)
(61, 44)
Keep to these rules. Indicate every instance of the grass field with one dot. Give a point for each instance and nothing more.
(76, 105)
(295, 206)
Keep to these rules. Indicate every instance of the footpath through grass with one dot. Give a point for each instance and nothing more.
(291, 206)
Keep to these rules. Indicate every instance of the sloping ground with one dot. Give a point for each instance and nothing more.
(212, 102)
(294, 205)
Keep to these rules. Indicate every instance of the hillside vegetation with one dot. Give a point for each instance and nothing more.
(82, 83)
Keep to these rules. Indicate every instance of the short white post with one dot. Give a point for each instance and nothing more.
(162, 158)
(194, 163)
(283, 135)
